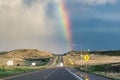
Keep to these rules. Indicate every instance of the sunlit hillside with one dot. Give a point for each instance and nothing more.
(96, 57)
(21, 56)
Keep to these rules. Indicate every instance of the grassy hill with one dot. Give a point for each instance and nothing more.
(25, 56)
(96, 57)
(105, 63)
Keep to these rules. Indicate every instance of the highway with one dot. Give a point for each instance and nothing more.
(60, 60)
(56, 73)
(48, 74)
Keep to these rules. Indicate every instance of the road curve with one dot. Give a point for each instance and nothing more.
(59, 73)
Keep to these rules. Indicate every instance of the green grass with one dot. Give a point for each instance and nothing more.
(103, 70)
(109, 53)
(38, 62)
(103, 74)
(9, 71)
(27, 62)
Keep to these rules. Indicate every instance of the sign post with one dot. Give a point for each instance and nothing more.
(86, 58)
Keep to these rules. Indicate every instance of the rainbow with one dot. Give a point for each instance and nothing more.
(64, 19)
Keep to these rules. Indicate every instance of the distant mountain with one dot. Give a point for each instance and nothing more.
(26, 54)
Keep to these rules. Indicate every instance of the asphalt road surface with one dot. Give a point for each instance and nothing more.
(48, 74)
(88, 76)
(59, 73)
(60, 60)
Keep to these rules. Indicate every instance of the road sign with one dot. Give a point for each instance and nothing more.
(10, 63)
(86, 57)
(33, 64)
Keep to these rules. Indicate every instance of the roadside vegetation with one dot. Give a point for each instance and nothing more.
(109, 53)
(15, 70)
(25, 57)
(77, 58)
(111, 71)
(22, 61)
(39, 62)
(105, 63)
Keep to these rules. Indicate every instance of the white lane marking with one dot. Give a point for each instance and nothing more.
(74, 74)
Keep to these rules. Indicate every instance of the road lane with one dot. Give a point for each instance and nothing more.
(60, 60)
(59, 73)
(88, 76)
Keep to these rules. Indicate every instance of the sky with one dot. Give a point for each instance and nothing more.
(95, 25)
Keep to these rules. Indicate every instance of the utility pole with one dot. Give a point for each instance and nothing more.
(81, 56)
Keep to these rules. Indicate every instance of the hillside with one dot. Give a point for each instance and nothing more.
(25, 56)
(96, 57)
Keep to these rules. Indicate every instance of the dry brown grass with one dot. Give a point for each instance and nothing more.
(19, 55)
(26, 54)
(94, 59)
(78, 60)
